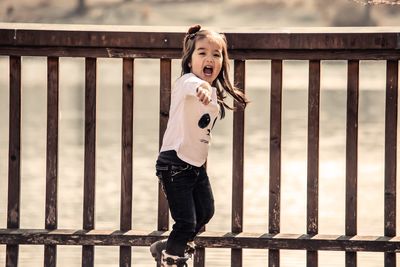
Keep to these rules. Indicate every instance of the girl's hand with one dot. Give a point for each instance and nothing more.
(204, 93)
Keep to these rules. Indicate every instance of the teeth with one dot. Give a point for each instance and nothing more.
(208, 70)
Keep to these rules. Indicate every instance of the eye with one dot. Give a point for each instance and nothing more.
(204, 121)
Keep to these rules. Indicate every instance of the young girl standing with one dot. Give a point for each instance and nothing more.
(197, 100)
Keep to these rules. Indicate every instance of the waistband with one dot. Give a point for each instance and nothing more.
(168, 167)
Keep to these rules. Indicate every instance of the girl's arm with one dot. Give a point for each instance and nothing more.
(203, 93)
(194, 86)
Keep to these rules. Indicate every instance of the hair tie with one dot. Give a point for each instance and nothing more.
(193, 31)
(191, 35)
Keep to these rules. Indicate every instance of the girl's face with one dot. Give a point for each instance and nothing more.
(206, 60)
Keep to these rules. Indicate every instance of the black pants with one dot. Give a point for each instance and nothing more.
(190, 200)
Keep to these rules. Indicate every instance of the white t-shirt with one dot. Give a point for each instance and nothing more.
(190, 121)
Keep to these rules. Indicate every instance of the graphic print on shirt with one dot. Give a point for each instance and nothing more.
(204, 121)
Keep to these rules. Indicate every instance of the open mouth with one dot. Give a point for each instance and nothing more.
(208, 70)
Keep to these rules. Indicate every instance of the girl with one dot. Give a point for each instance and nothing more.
(196, 101)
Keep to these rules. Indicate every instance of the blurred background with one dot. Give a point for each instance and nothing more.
(222, 14)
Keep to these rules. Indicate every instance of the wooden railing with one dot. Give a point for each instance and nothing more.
(129, 43)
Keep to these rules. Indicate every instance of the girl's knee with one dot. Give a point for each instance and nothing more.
(188, 227)
(210, 213)
(206, 216)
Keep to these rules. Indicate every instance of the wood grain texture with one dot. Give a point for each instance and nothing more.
(275, 157)
(313, 155)
(89, 185)
(127, 156)
(14, 157)
(207, 239)
(352, 154)
(391, 114)
(165, 102)
(238, 162)
(51, 212)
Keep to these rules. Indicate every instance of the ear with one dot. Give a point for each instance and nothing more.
(190, 65)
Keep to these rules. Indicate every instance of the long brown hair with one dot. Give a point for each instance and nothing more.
(222, 82)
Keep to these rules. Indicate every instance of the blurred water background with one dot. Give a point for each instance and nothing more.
(254, 14)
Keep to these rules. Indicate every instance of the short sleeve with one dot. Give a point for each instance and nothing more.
(188, 83)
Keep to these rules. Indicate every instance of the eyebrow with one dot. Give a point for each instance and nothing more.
(216, 50)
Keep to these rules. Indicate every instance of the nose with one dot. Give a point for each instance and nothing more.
(209, 59)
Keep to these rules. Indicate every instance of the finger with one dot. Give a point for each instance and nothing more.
(201, 95)
(207, 101)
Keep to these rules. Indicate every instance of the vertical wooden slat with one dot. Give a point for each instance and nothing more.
(125, 254)
(14, 157)
(90, 157)
(238, 163)
(352, 155)
(391, 154)
(275, 157)
(313, 155)
(199, 257)
(50, 251)
(165, 101)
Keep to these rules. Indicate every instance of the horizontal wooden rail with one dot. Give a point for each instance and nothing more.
(205, 239)
(370, 43)
(145, 37)
(262, 54)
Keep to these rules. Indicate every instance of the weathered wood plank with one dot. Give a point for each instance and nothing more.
(317, 54)
(90, 143)
(52, 143)
(274, 258)
(14, 149)
(313, 147)
(50, 255)
(300, 38)
(238, 152)
(50, 252)
(238, 163)
(391, 147)
(313, 155)
(90, 157)
(352, 154)
(80, 37)
(275, 156)
(390, 259)
(205, 239)
(392, 79)
(199, 257)
(93, 52)
(127, 156)
(311, 40)
(14, 157)
(275, 146)
(165, 101)
(238, 54)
